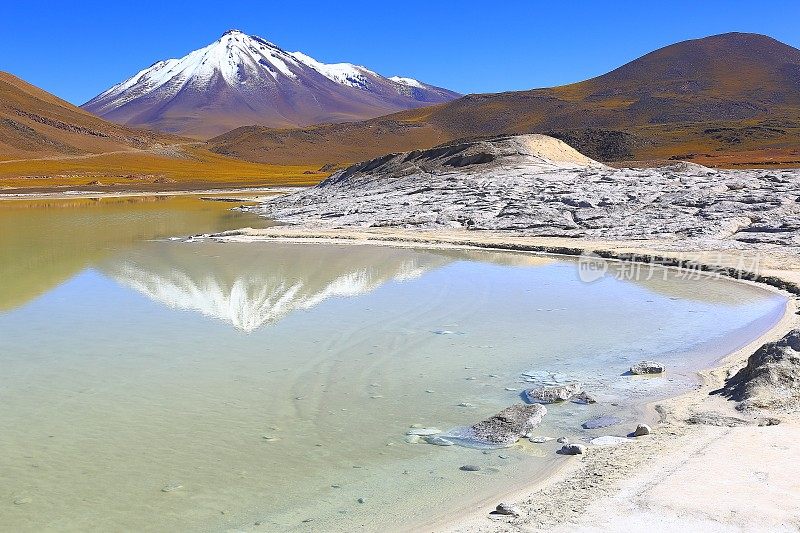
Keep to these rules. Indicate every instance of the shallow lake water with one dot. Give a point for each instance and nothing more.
(160, 385)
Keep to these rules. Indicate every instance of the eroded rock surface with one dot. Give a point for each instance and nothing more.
(507, 426)
(771, 378)
(539, 186)
(647, 367)
(553, 393)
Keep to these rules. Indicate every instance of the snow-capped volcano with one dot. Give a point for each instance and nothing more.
(242, 80)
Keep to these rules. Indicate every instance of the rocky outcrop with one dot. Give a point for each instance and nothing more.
(553, 393)
(507, 426)
(647, 367)
(539, 186)
(572, 449)
(771, 378)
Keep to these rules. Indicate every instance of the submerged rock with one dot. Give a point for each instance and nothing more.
(507, 426)
(647, 367)
(601, 422)
(470, 468)
(423, 431)
(438, 441)
(553, 394)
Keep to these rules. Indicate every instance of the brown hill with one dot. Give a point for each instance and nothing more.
(47, 143)
(34, 123)
(702, 99)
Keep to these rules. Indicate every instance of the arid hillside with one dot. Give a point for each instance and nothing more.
(47, 143)
(34, 124)
(724, 100)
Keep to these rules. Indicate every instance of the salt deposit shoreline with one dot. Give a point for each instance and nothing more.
(594, 492)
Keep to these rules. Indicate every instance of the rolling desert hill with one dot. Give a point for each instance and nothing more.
(242, 80)
(34, 123)
(47, 143)
(726, 99)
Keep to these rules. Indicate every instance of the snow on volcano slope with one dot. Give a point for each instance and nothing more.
(242, 80)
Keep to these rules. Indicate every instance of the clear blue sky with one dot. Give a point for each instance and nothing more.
(78, 49)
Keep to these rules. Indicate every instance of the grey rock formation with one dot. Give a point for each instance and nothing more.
(572, 449)
(538, 188)
(647, 367)
(506, 509)
(507, 426)
(553, 394)
(771, 378)
(641, 430)
(584, 398)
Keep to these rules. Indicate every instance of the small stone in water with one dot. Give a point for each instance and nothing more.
(584, 398)
(465, 404)
(361, 500)
(438, 441)
(423, 431)
(270, 438)
(470, 468)
(562, 440)
(22, 501)
(172, 487)
(429, 391)
(511, 389)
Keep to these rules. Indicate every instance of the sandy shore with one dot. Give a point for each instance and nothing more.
(245, 194)
(724, 474)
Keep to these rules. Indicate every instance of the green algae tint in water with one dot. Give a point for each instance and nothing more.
(165, 385)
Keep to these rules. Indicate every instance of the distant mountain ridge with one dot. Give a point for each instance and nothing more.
(242, 80)
(735, 91)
